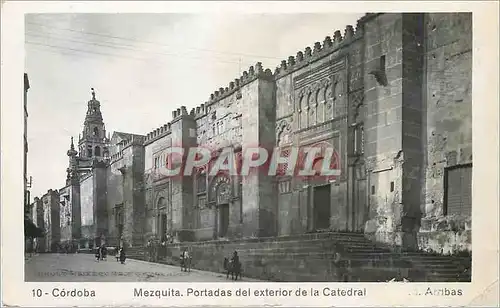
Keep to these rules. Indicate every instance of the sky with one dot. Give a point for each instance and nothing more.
(143, 66)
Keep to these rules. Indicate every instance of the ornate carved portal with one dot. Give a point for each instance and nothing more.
(162, 217)
(220, 194)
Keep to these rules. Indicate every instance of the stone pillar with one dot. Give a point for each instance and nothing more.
(138, 193)
(258, 129)
(393, 97)
(100, 201)
(182, 191)
(76, 213)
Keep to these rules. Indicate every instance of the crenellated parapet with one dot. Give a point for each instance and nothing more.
(253, 73)
(161, 131)
(199, 111)
(303, 58)
(135, 140)
(321, 49)
(180, 112)
(116, 156)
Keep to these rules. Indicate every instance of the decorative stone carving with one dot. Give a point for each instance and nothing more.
(300, 56)
(327, 43)
(283, 130)
(308, 52)
(349, 32)
(355, 101)
(338, 36)
(317, 47)
(220, 189)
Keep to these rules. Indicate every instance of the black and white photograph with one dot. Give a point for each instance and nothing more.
(250, 147)
(391, 93)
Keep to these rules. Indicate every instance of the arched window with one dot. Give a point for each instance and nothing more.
(96, 131)
(318, 165)
(161, 203)
(97, 151)
(223, 193)
(105, 152)
(201, 182)
(89, 152)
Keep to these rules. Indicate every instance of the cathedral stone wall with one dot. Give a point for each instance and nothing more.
(315, 91)
(125, 203)
(157, 190)
(424, 109)
(138, 197)
(448, 130)
(87, 209)
(100, 211)
(48, 208)
(65, 214)
(258, 213)
(383, 124)
(392, 96)
(114, 196)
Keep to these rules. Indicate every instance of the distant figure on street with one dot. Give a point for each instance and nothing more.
(122, 255)
(98, 254)
(149, 247)
(185, 260)
(104, 252)
(117, 254)
(341, 264)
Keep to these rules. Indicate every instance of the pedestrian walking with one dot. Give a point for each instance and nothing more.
(98, 254)
(149, 249)
(122, 255)
(185, 260)
(340, 264)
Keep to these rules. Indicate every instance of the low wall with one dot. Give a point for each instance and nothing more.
(445, 242)
(307, 257)
(261, 259)
(443, 234)
(446, 235)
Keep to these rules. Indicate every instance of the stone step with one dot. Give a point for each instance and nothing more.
(293, 270)
(439, 278)
(436, 258)
(312, 256)
(347, 237)
(370, 274)
(426, 264)
(313, 249)
(323, 243)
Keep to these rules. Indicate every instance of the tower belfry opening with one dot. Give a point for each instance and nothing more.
(93, 143)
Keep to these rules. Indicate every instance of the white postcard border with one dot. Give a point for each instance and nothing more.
(485, 235)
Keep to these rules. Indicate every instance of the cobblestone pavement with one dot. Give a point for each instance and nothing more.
(84, 268)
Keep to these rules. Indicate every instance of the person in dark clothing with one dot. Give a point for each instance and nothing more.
(104, 252)
(122, 255)
(235, 258)
(98, 254)
(340, 264)
(235, 266)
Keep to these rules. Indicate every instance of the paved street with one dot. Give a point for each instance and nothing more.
(84, 268)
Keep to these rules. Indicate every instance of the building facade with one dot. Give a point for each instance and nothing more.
(25, 166)
(45, 214)
(392, 96)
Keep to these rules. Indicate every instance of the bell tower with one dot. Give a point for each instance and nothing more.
(93, 143)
